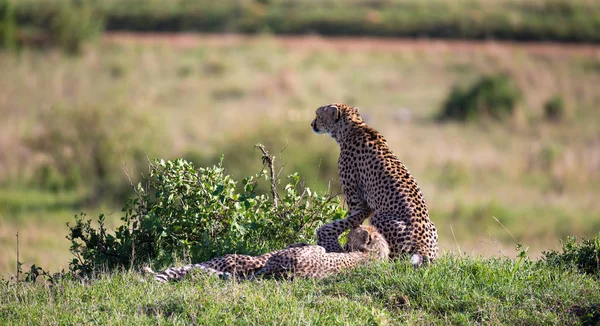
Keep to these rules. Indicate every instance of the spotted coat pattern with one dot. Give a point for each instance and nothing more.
(302, 260)
(376, 183)
(364, 244)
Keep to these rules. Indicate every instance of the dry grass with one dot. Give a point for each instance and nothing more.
(540, 179)
(39, 243)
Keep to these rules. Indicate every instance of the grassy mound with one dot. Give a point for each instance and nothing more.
(456, 290)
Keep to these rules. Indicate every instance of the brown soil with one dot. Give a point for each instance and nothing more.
(314, 42)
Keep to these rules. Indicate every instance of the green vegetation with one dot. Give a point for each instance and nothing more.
(558, 20)
(554, 109)
(70, 23)
(199, 98)
(199, 209)
(76, 131)
(212, 98)
(197, 214)
(492, 96)
(455, 290)
(8, 25)
(85, 154)
(66, 24)
(583, 256)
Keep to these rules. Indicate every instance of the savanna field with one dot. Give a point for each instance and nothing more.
(77, 129)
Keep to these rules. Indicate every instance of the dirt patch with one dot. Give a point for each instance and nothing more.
(315, 42)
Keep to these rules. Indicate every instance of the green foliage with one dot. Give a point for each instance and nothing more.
(8, 28)
(72, 23)
(584, 256)
(188, 213)
(83, 149)
(554, 109)
(562, 20)
(492, 96)
(66, 24)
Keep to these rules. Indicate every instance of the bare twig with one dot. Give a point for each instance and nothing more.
(18, 261)
(301, 195)
(270, 160)
(281, 170)
(281, 159)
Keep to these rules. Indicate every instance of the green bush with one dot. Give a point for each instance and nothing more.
(186, 213)
(66, 24)
(8, 25)
(73, 23)
(584, 256)
(493, 96)
(554, 109)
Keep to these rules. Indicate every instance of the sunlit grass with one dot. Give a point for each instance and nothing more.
(455, 290)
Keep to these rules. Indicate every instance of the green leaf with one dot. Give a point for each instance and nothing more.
(219, 190)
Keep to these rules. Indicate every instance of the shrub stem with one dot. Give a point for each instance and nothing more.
(270, 161)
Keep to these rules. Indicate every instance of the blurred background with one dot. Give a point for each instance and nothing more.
(492, 104)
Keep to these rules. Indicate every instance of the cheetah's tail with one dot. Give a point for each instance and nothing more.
(177, 273)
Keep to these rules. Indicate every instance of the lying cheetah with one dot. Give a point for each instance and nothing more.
(364, 244)
(375, 182)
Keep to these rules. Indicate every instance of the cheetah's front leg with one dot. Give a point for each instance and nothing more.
(327, 235)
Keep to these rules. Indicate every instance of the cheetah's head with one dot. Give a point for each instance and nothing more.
(365, 238)
(330, 117)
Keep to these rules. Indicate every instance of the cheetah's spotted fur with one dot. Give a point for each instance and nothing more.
(364, 244)
(374, 181)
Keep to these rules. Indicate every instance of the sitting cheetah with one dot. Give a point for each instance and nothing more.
(364, 243)
(375, 182)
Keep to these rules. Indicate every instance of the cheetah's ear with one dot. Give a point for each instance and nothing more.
(334, 111)
(364, 236)
(368, 238)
